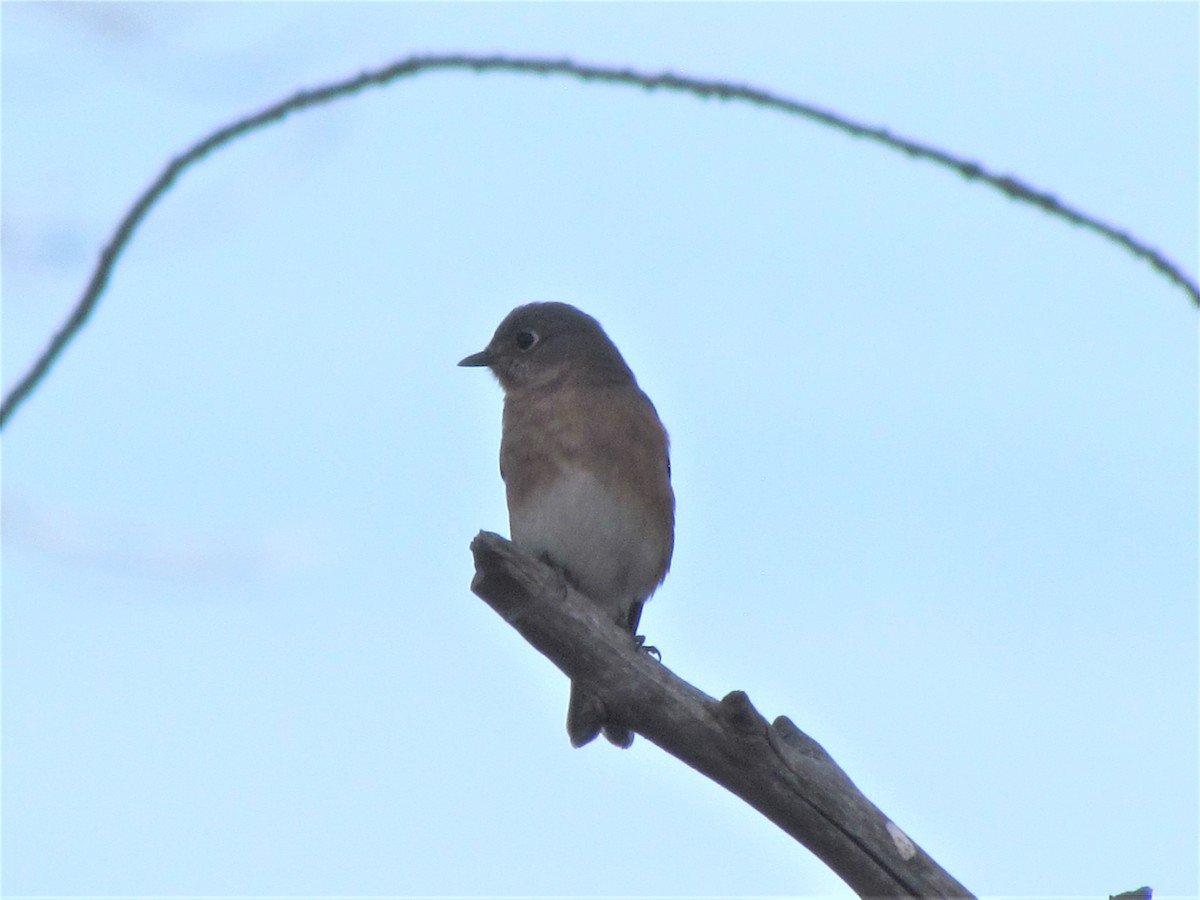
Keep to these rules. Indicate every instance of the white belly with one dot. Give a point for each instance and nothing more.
(602, 539)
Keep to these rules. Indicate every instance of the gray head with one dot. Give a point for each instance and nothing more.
(539, 342)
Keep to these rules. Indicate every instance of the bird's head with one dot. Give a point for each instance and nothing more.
(542, 342)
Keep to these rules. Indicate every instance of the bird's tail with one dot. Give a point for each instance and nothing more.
(585, 720)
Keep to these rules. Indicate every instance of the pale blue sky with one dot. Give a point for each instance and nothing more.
(935, 453)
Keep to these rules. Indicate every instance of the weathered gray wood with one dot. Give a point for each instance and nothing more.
(774, 767)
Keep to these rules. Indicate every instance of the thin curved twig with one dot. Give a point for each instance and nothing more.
(413, 65)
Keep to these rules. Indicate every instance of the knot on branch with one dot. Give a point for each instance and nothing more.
(739, 713)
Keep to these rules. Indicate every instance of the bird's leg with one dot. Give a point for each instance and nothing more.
(630, 624)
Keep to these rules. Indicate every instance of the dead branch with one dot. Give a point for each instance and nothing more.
(775, 767)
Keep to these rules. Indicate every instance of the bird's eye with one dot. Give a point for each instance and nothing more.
(526, 339)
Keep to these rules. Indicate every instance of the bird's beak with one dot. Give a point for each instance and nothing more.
(482, 358)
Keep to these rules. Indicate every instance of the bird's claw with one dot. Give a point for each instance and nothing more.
(640, 640)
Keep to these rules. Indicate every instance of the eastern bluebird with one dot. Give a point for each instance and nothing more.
(586, 470)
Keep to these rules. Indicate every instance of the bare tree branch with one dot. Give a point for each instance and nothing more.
(1142, 893)
(413, 65)
(776, 768)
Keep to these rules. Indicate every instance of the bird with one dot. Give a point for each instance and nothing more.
(586, 467)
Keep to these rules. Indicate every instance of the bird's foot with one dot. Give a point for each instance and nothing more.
(640, 640)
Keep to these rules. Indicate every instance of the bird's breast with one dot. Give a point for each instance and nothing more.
(588, 487)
